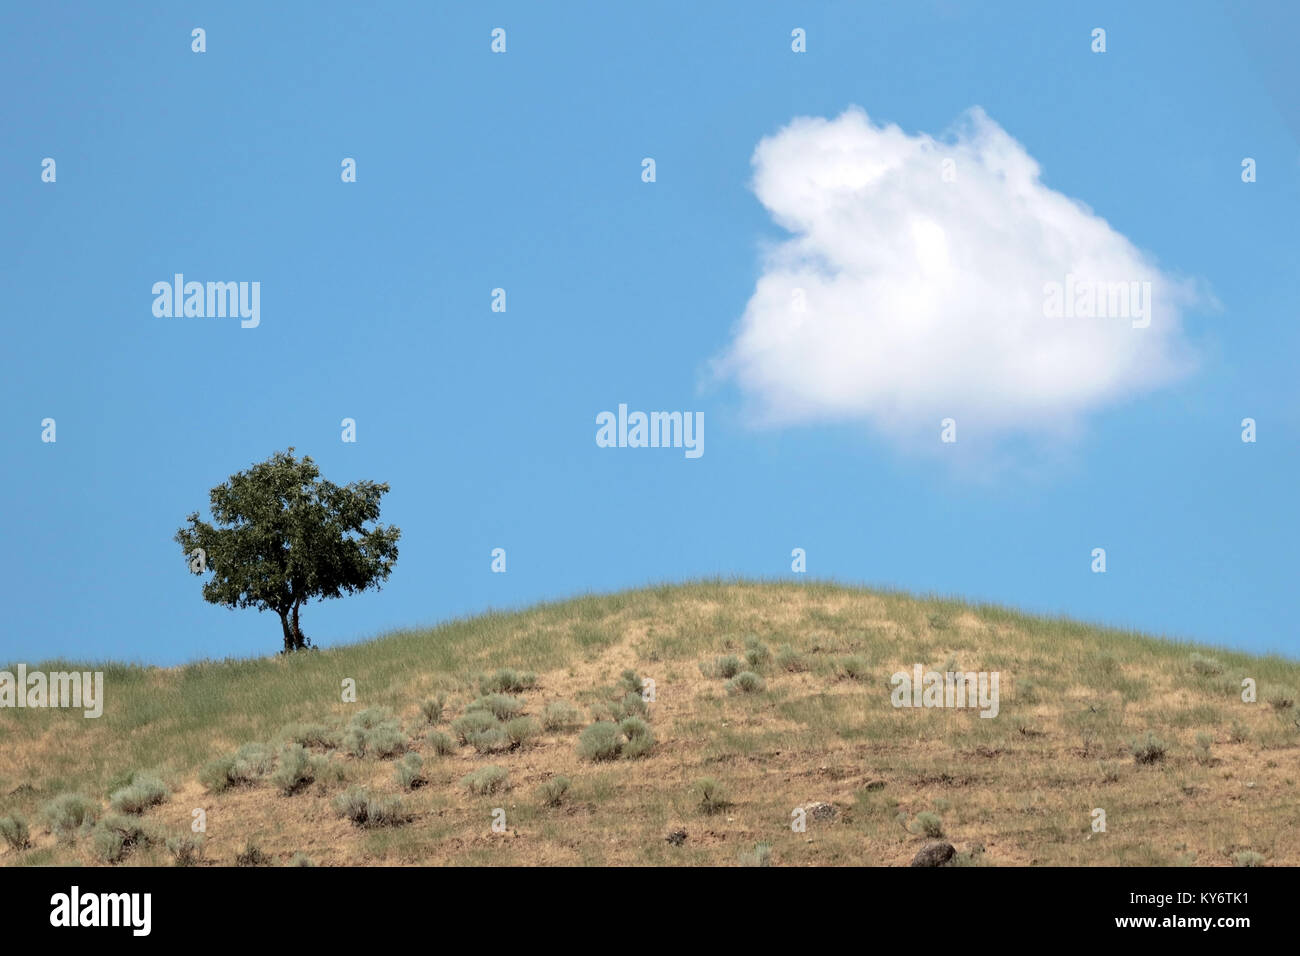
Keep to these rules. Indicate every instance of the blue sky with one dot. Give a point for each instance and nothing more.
(523, 171)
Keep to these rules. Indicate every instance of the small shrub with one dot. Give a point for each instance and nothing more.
(408, 774)
(295, 771)
(522, 730)
(1247, 858)
(1205, 666)
(1282, 699)
(245, 765)
(560, 715)
(1148, 749)
(485, 780)
(553, 791)
(251, 855)
(440, 743)
(929, 825)
(300, 859)
(186, 850)
(500, 706)
(69, 813)
(116, 835)
(506, 681)
(1239, 733)
(631, 705)
(630, 682)
(144, 791)
(432, 709)
(364, 810)
(746, 682)
(757, 654)
(490, 741)
(790, 660)
(761, 855)
(711, 796)
(474, 722)
(727, 666)
(15, 832)
(640, 740)
(311, 735)
(856, 667)
(1203, 743)
(374, 732)
(601, 741)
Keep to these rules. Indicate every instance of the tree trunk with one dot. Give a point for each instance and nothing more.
(299, 639)
(288, 632)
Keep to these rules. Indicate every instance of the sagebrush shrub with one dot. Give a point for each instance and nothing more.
(473, 722)
(364, 810)
(485, 780)
(1148, 749)
(929, 825)
(856, 667)
(790, 660)
(374, 732)
(630, 682)
(500, 706)
(507, 681)
(746, 682)
(1205, 666)
(712, 796)
(116, 835)
(301, 859)
(432, 708)
(144, 791)
(522, 730)
(631, 705)
(1247, 858)
(757, 654)
(553, 791)
(69, 813)
(186, 850)
(408, 773)
(251, 855)
(311, 735)
(245, 765)
(440, 743)
(295, 771)
(14, 831)
(601, 741)
(560, 715)
(640, 740)
(727, 666)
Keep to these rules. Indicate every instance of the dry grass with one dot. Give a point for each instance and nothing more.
(1022, 785)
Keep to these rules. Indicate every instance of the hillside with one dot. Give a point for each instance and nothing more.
(1076, 705)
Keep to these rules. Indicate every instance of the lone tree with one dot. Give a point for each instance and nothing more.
(283, 536)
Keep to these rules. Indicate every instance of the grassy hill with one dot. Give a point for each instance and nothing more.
(1081, 708)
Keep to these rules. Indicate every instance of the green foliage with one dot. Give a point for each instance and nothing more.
(432, 708)
(251, 855)
(116, 835)
(301, 859)
(630, 705)
(311, 735)
(1148, 748)
(473, 722)
(746, 682)
(856, 667)
(790, 660)
(186, 850)
(757, 654)
(761, 855)
(507, 681)
(601, 741)
(364, 810)
(374, 732)
(639, 738)
(245, 765)
(1247, 858)
(560, 715)
(711, 796)
(144, 791)
(408, 773)
(295, 771)
(929, 824)
(485, 780)
(1205, 666)
(727, 666)
(630, 682)
(284, 536)
(69, 813)
(440, 743)
(14, 831)
(522, 730)
(500, 706)
(554, 790)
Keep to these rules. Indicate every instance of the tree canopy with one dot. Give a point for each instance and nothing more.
(282, 536)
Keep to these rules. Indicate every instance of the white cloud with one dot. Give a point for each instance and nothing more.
(925, 298)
